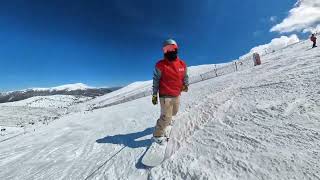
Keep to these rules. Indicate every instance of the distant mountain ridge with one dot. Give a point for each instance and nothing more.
(77, 89)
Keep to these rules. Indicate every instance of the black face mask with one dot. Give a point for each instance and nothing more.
(171, 56)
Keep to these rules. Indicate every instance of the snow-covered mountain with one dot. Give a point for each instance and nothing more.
(67, 87)
(260, 122)
(77, 89)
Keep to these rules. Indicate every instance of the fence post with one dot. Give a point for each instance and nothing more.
(215, 70)
(235, 63)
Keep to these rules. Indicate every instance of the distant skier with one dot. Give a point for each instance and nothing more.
(313, 38)
(170, 79)
(256, 59)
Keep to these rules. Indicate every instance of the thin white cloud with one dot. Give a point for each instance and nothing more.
(273, 19)
(304, 16)
(257, 33)
(274, 45)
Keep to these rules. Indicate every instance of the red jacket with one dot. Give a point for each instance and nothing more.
(173, 77)
(313, 38)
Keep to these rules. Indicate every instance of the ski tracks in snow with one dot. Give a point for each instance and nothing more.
(263, 127)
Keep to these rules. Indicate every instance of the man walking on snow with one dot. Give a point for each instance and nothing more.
(169, 80)
(313, 38)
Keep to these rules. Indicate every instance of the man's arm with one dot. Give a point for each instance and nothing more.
(156, 80)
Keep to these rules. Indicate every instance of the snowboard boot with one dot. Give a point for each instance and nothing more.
(167, 132)
(160, 140)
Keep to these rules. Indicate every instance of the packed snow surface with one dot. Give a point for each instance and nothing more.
(19, 116)
(54, 101)
(262, 122)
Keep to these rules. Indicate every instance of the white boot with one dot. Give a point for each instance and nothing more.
(160, 140)
(167, 131)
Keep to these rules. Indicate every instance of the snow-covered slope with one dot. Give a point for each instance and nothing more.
(274, 45)
(258, 123)
(54, 101)
(143, 88)
(17, 117)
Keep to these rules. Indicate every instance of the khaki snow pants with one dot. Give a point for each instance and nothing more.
(169, 108)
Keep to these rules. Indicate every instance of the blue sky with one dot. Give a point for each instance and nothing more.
(116, 42)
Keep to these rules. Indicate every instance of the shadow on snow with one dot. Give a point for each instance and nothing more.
(129, 140)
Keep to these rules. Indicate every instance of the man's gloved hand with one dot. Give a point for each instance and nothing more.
(155, 99)
(185, 88)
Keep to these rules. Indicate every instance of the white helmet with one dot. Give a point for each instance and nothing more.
(169, 41)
